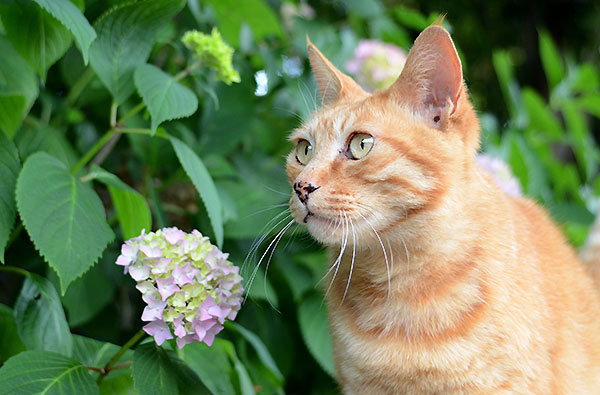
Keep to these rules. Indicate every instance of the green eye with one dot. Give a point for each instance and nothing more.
(304, 152)
(360, 145)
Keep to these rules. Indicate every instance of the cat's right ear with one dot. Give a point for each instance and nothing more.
(333, 84)
(431, 81)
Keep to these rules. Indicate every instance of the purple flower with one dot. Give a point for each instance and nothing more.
(159, 330)
(376, 64)
(188, 284)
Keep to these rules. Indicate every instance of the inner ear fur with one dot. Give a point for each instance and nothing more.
(431, 81)
(333, 84)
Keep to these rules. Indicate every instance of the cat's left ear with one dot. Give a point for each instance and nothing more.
(333, 84)
(431, 81)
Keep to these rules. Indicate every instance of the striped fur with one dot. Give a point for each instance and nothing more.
(444, 284)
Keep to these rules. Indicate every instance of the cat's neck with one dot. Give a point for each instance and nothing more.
(420, 271)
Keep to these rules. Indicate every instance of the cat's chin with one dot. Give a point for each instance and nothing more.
(322, 229)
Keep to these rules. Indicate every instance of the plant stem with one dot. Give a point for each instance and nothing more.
(113, 114)
(187, 71)
(130, 114)
(84, 79)
(17, 270)
(92, 151)
(130, 343)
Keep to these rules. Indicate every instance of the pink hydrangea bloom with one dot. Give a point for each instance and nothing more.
(188, 284)
(501, 173)
(376, 65)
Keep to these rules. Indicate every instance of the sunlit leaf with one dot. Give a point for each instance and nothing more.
(165, 98)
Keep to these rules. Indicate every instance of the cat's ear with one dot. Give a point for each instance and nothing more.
(333, 84)
(431, 80)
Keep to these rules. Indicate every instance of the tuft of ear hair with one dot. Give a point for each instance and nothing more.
(333, 84)
(431, 80)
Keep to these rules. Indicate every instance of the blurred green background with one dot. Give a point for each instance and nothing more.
(533, 73)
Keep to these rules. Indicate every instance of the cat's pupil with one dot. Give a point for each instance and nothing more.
(362, 144)
(306, 150)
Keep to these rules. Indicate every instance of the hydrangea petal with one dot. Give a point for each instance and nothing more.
(159, 330)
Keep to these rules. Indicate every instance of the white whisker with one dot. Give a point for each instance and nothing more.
(353, 256)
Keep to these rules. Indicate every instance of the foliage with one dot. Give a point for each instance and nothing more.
(110, 124)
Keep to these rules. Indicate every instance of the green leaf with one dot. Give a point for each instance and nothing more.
(159, 371)
(18, 88)
(312, 316)
(88, 295)
(132, 209)
(165, 98)
(204, 184)
(232, 14)
(411, 18)
(10, 342)
(551, 59)
(9, 170)
(42, 372)
(37, 136)
(64, 218)
(590, 103)
(96, 353)
(503, 65)
(70, 16)
(40, 317)
(211, 364)
(260, 348)
(39, 38)
(246, 387)
(126, 35)
(540, 115)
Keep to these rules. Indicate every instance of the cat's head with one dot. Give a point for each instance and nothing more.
(381, 161)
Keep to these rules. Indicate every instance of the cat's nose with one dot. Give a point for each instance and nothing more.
(303, 189)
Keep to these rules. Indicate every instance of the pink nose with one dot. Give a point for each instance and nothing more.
(303, 189)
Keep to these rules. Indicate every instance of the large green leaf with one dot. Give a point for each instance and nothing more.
(40, 317)
(312, 316)
(9, 169)
(232, 14)
(211, 364)
(126, 35)
(18, 88)
(132, 209)
(70, 16)
(42, 372)
(37, 136)
(10, 342)
(540, 115)
(159, 371)
(64, 218)
(165, 98)
(38, 37)
(204, 184)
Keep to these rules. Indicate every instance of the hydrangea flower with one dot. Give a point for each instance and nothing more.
(501, 173)
(213, 52)
(188, 284)
(376, 64)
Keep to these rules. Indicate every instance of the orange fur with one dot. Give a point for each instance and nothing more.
(445, 284)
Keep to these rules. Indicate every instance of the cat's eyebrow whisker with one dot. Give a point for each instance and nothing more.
(274, 241)
(387, 265)
(353, 256)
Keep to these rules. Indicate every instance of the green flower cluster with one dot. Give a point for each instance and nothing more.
(213, 52)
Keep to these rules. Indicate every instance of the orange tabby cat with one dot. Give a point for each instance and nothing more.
(440, 282)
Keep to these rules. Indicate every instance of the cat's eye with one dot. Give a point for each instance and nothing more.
(304, 151)
(360, 145)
